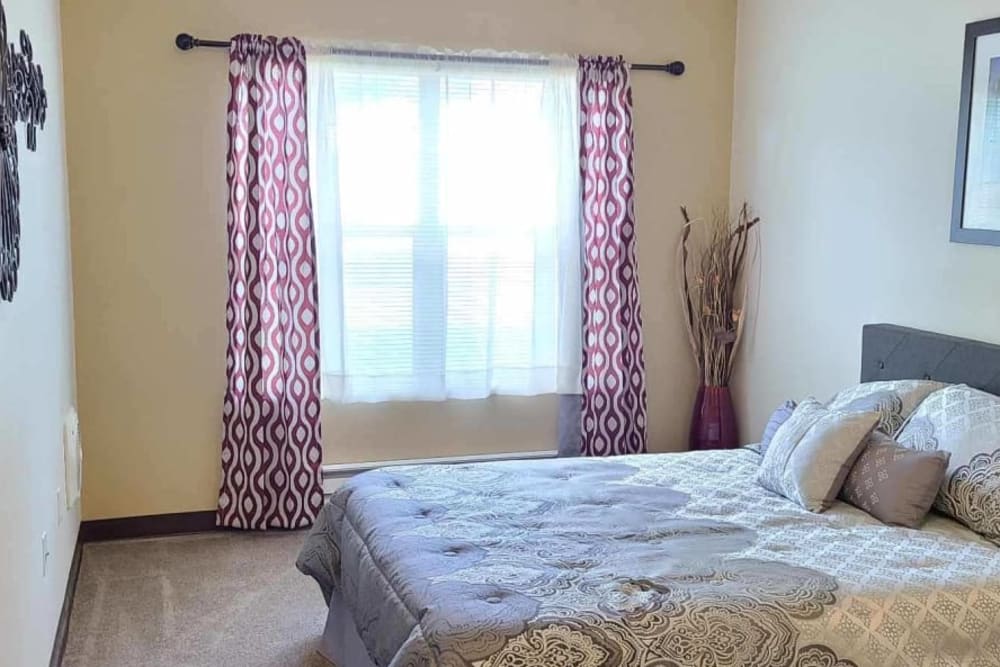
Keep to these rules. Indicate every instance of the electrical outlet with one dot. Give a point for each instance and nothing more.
(45, 553)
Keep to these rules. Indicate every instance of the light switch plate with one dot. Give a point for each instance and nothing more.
(72, 458)
(45, 553)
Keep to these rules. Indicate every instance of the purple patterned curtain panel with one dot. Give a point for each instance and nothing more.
(271, 453)
(614, 376)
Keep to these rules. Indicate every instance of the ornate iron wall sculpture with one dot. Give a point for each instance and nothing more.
(22, 99)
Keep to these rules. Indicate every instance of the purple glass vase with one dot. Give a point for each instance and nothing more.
(713, 420)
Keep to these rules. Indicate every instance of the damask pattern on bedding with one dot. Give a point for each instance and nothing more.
(668, 559)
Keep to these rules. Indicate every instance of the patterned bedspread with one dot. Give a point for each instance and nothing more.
(666, 559)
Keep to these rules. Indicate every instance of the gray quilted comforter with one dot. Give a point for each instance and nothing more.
(667, 559)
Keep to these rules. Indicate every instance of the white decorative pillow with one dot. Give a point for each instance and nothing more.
(894, 400)
(811, 453)
(966, 423)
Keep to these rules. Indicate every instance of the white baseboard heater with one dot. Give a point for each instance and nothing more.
(335, 474)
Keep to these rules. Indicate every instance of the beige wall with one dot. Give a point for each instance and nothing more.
(147, 146)
(844, 137)
(36, 374)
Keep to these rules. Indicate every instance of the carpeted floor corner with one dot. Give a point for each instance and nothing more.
(197, 600)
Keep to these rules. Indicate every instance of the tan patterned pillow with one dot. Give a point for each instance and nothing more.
(894, 400)
(966, 423)
(812, 453)
(894, 484)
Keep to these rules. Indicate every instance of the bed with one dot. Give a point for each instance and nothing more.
(666, 559)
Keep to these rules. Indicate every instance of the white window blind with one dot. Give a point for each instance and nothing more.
(446, 199)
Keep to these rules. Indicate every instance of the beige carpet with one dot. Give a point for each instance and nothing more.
(216, 599)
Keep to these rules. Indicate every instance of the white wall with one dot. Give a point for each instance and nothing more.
(844, 126)
(36, 374)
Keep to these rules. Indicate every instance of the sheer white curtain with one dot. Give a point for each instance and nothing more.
(447, 208)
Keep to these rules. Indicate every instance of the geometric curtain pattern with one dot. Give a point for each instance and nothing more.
(271, 452)
(614, 382)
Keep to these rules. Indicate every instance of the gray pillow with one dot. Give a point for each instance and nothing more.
(811, 453)
(778, 417)
(894, 484)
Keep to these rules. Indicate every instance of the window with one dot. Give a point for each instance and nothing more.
(446, 197)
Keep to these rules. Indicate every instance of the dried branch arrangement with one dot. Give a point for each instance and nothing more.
(713, 256)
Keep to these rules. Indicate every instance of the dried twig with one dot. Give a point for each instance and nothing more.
(710, 275)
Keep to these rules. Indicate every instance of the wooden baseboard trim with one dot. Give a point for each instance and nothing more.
(147, 526)
(62, 629)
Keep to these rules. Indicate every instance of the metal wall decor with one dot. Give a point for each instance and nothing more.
(22, 99)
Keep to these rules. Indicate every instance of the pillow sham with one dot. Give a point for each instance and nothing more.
(895, 484)
(778, 417)
(966, 423)
(812, 453)
(894, 400)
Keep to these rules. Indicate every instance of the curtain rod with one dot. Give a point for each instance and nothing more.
(186, 42)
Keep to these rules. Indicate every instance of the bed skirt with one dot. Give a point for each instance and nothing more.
(340, 643)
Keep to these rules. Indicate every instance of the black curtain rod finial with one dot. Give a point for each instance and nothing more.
(185, 42)
(676, 67)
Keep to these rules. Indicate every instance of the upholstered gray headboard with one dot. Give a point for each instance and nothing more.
(890, 352)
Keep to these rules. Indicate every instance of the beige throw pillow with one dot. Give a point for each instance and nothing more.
(893, 400)
(812, 452)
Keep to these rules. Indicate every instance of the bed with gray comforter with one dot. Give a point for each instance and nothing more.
(665, 559)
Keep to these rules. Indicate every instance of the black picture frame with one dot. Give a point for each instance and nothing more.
(960, 233)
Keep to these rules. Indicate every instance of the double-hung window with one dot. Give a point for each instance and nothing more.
(446, 196)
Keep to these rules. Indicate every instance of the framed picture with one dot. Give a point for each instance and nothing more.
(975, 216)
